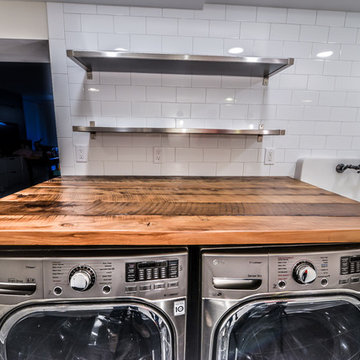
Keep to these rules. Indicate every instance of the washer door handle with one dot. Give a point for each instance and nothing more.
(11, 288)
(236, 284)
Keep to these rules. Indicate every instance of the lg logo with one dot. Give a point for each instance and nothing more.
(179, 308)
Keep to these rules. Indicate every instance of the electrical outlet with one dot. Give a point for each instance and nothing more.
(269, 156)
(157, 155)
(82, 153)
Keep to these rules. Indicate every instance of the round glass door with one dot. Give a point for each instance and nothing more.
(121, 332)
(292, 330)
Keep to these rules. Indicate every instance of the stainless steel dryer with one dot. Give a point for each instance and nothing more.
(123, 306)
(281, 304)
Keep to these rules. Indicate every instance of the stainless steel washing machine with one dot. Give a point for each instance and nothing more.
(105, 305)
(281, 304)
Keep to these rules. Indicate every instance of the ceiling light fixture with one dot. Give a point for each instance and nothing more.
(93, 89)
(229, 99)
(325, 54)
(236, 50)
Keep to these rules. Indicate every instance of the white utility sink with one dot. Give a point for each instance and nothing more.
(322, 173)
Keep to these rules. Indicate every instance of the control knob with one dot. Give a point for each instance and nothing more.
(82, 278)
(304, 273)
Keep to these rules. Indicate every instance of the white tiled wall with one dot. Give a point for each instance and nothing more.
(317, 101)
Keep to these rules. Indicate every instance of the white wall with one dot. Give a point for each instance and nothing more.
(23, 20)
(316, 101)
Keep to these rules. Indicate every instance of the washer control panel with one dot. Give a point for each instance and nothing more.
(152, 270)
(153, 277)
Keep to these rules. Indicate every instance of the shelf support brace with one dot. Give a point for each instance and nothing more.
(260, 137)
(92, 133)
(265, 81)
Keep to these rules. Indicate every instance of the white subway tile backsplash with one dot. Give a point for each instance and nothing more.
(330, 18)
(271, 15)
(145, 43)
(189, 95)
(314, 33)
(176, 110)
(113, 10)
(174, 169)
(189, 27)
(189, 154)
(332, 98)
(316, 101)
(72, 22)
(202, 169)
(161, 26)
(145, 79)
(97, 23)
(115, 108)
(145, 11)
(240, 13)
(130, 93)
(211, 12)
(146, 109)
(178, 13)
(208, 46)
(114, 41)
(220, 96)
(177, 44)
(342, 35)
(301, 16)
(230, 111)
(352, 19)
(118, 168)
(129, 24)
(79, 9)
(205, 111)
(255, 31)
(161, 94)
(321, 82)
(224, 29)
(81, 40)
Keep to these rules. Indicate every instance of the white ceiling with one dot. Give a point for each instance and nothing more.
(340, 5)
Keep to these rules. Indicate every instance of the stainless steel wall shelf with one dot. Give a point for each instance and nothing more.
(116, 61)
(92, 129)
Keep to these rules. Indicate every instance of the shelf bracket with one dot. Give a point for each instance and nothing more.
(92, 133)
(265, 81)
(260, 137)
(89, 74)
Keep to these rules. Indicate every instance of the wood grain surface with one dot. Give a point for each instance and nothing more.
(176, 211)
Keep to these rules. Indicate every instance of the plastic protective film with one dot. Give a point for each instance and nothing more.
(121, 333)
(328, 330)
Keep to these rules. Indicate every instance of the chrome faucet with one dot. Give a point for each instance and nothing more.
(340, 168)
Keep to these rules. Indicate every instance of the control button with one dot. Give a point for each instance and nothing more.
(159, 286)
(130, 289)
(148, 274)
(57, 290)
(323, 282)
(145, 287)
(281, 284)
(304, 273)
(343, 281)
(106, 289)
(173, 284)
(156, 273)
(355, 279)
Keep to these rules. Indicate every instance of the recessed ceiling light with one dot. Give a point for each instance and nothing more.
(229, 99)
(236, 50)
(121, 49)
(307, 101)
(93, 89)
(324, 54)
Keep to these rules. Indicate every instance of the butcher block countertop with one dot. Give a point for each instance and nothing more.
(176, 211)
